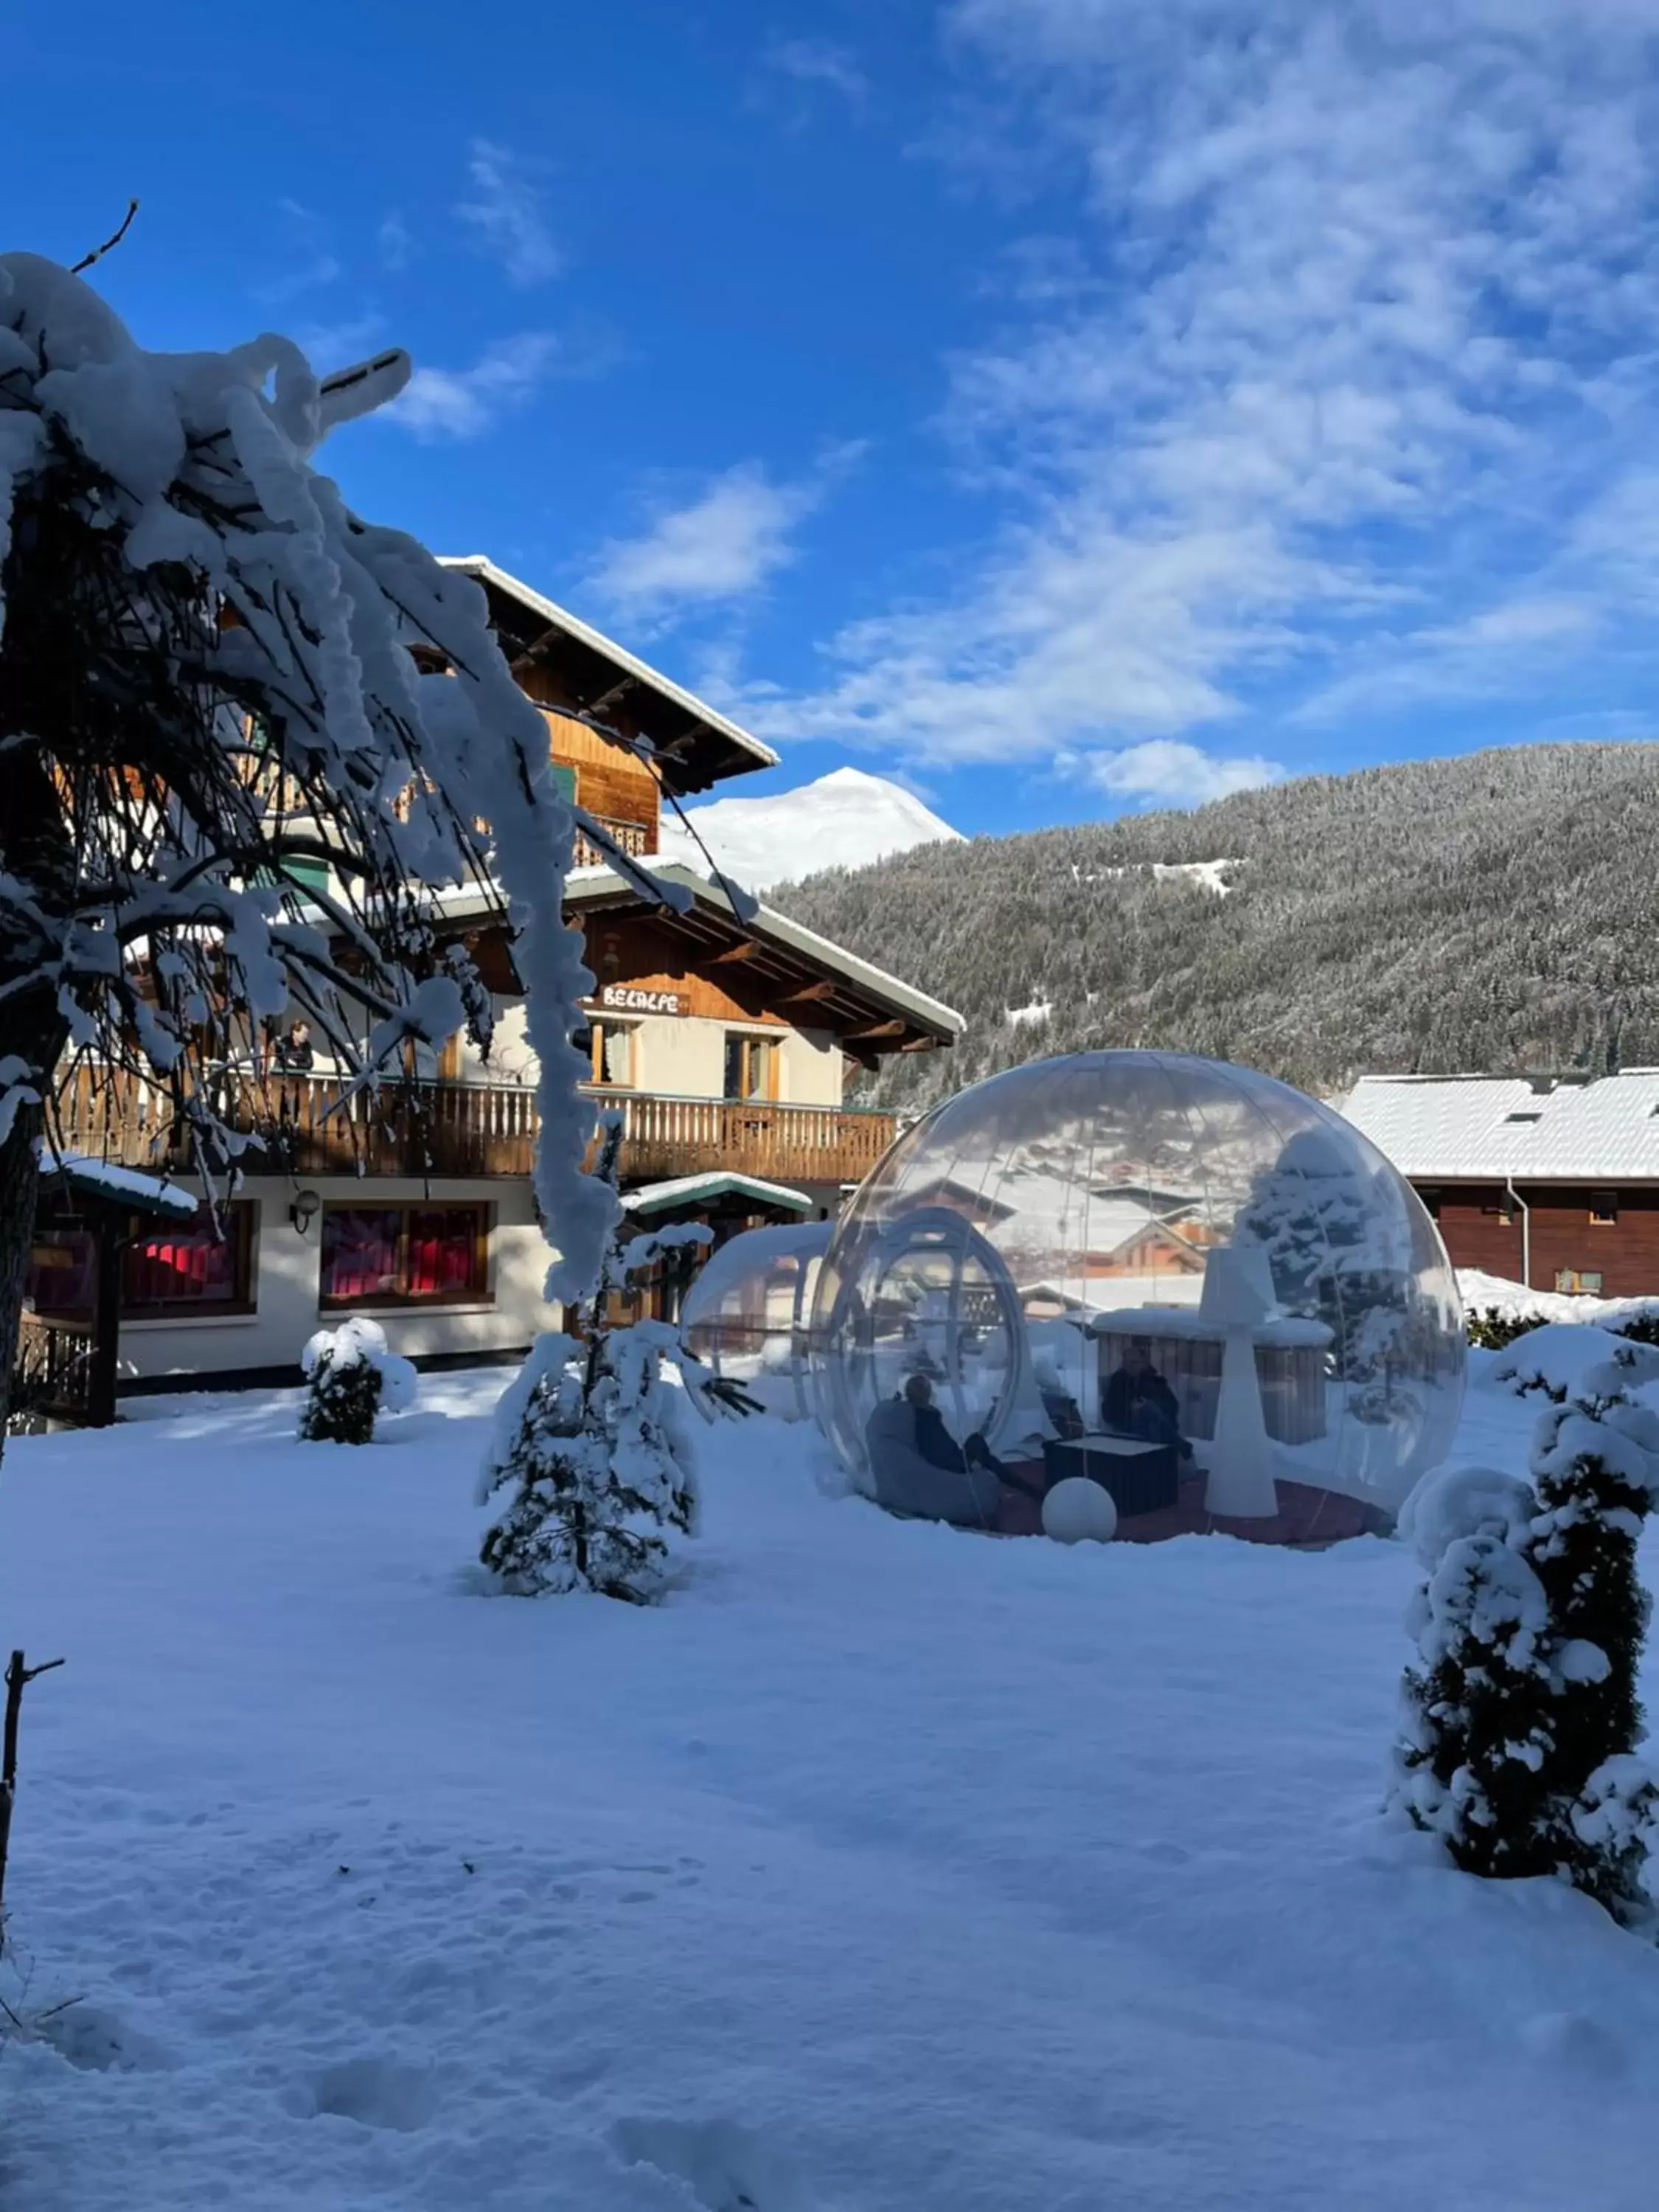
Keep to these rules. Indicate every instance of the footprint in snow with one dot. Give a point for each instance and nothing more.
(726, 2167)
(98, 2042)
(375, 2092)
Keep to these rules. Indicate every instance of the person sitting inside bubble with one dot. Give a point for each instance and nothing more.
(1137, 1401)
(934, 1441)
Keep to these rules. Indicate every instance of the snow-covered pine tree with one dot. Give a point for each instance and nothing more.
(206, 681)
(1478, 1717)
(1339, 1240)
(1523, 1725)
(591, 1447)
(351, 1374)
(1596, 1465)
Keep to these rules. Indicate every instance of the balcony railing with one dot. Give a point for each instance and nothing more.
(310, 1127)
(635, 840)
(58, 1375)
(666, 1137)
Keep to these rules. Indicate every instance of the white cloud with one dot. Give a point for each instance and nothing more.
(818, 64)
(395, 242)
(1336, 391)
(507, 214)
(721, 544)
(318, 273)
(1524, 621)
(329, 346)
(1176, 775)
(457, 403)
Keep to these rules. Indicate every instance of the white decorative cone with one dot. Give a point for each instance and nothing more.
(1241, 1482)
(1238, 1285)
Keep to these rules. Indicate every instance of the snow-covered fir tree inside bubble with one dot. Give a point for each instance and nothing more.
(1182, 1279)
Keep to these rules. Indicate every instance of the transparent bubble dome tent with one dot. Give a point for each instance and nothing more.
(1184, 1279)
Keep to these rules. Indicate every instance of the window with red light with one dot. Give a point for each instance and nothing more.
(172, 1267)
(404, 1254)
(167, 1266)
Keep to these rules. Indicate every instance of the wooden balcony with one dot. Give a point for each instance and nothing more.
(635, 838)
(663, 1138)
(309, 1127)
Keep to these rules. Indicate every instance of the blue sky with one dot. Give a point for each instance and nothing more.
(1066, 406)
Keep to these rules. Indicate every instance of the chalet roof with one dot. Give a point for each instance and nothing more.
(866, 1006)
(696, 746)
(1488, 1127)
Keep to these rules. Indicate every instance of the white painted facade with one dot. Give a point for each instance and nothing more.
(286, 1276)
(674, 1057)
(678, 1056)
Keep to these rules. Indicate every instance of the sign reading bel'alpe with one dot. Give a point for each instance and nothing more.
(629, 999)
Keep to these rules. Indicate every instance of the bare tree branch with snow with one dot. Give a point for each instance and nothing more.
(210, 672)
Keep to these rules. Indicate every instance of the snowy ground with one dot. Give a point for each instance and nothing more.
(882, 1869)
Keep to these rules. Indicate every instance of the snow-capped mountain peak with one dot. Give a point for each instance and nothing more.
(844, 820)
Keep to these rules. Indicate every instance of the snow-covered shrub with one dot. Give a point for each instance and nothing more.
(591, 1446)
(1596, 1466)
(350, 1375)
(1477, 1715)
(596, 1464)
(1522, 1721)
(1493, 1329)
(1550, 1359)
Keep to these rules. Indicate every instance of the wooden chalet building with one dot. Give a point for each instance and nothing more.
(724, 1044)
(1551, 1181)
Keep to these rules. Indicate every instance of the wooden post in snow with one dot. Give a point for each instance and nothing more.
(18, 1677)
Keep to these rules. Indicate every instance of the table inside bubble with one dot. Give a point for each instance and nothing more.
(1141, 1477)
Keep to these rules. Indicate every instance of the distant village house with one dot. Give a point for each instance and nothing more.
(1550, 1181)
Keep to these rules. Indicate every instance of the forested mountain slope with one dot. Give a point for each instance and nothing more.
(1498, 911)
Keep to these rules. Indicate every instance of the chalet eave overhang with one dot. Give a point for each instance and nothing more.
(812, 983)
(695, 746)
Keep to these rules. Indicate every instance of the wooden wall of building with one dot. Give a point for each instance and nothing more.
(609, 781)
(633, 950)
(1563, 1238)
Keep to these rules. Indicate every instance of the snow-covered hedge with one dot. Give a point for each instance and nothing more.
(1553, 1357)
(351, 1374)
(1521, 1719)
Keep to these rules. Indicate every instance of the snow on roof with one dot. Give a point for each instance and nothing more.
(557, 618)
(687, 1190)
(100, 1179)
(1499, 1126)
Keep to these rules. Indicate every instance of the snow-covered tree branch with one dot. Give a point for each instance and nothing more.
(209, 668)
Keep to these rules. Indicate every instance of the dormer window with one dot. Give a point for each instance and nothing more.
(1527, 1114)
